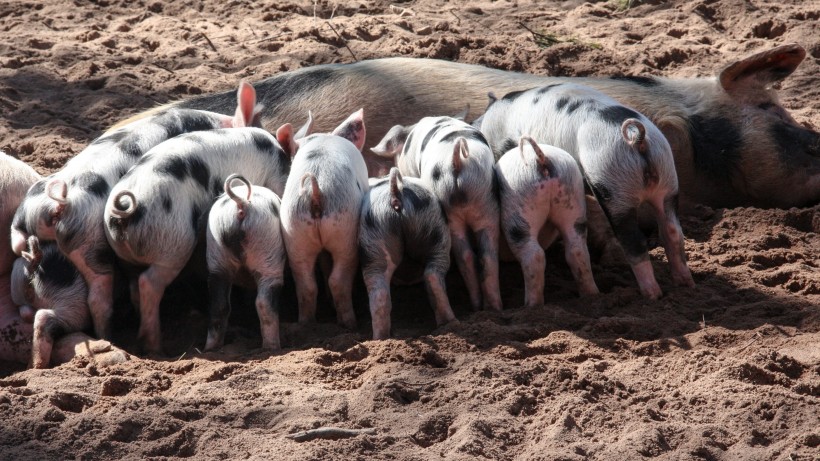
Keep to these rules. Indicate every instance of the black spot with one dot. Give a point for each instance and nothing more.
(55, 269)
(200, 171)
(716, 146)
(408, 141)
(766, 105)
(601, 192)
(234, 240)
(458, 197)
(561, 103)
(196, 217)
(574, 105)
(101, 259)
(617, 114)
(137, 216)
(507, 145)
(315, 154)
(628, 233)
(167, 204)
(92, 183)
(54, 328)
(468, 134)
(350, 130)
(442, 120)
(581, 227)
(194, 121)
(274, 295)
(642, 81)
(216, 187)
(436, 174)
(520, 229)
(130, 146)
(536, 100)
(113, 138)
(496, 187)
(173, 165)
(263, 142)
(513, 95)
(545, 89)
(429, 136)
(417, 201)
(274, 208)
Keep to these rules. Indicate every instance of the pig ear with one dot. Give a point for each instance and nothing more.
(393, 142)
(762, 69)
(306, 129)
(247, 112)
(286, 139)
(353, 129)
(463, 114)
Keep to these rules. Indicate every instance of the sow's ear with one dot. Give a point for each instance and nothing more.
(762, 69)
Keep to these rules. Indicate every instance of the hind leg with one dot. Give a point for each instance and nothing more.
(672, 238)
(152, 284)
(577, 255)
(487, 236)
(345, 264)
(46, 327)
(465, 260)
(633, 242)
(267, 308)
(219, 308)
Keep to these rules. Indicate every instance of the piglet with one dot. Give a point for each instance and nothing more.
(245, 247)
(157, 213)
(68, 205)
(47, 284)
(626, 161)
(454, 160)
(401, 220)
(320, 211)
(542, 197)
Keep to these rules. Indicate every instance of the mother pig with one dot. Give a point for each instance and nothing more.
(734, 144)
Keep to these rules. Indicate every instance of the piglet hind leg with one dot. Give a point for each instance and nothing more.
(533, 263)
(345, 264)
(100, 291)
(302, 263)
(152, 284)
(437, 294)
(378, 292)
(577, 255)
(219, 308)
(488, 253)
(465, 260)
(267, 308)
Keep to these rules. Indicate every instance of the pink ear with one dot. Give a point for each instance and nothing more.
(353, 129)
(245, 106)
(285, 137)
(762, 69)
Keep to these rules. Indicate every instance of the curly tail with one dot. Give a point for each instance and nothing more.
(241, 203)
(121, 210)
(637, 141)
(544, 164)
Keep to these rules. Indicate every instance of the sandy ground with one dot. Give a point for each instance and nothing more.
(729, 370)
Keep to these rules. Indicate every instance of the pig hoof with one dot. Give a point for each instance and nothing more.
(653, 293)
(684, 281)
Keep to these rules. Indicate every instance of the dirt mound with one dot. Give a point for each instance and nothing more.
(727, 370)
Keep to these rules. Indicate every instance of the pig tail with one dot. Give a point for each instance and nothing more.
(395, 191)
(459, 150)
(315, 194)
(126, 212)
(636, 142)
(60, 196)
(241, 203)
(544, 164)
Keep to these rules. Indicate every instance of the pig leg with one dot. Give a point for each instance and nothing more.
(219, 290)
(672, 238)
(345, 264)
(46, 327)
(267, 307)
(378, 268)
(533, 263)
(465, 260)
(633, 241)
(152, 284)
(577, 256)
(487, 237)
(15, 335)
(302, 259)
(437, 294)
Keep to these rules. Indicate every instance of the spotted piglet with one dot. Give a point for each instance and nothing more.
(542, 197)
(454, 160)
(626, 161)
(68, 206)
(320, 212)
(45, 282)
(245, 247)
(402, 221)
(156, 214)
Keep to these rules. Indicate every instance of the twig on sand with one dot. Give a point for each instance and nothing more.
(458, 19)
(332, 433)
(343, 41)
(210, 43)
(162, 67)
(539, 38)
(749, 343)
